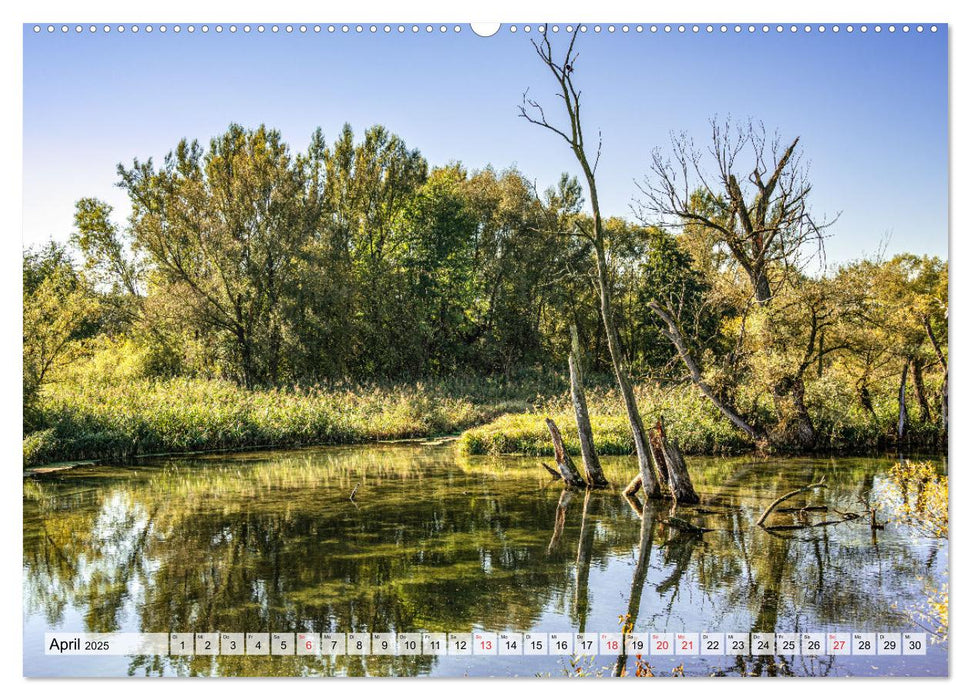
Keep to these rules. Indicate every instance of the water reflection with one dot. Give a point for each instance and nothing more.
(434, 541)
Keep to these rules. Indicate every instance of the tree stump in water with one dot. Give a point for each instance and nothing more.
(679, 481)
(571, 476)
(671, 464)
(659, 459)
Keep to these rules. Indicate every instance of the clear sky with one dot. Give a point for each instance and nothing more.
(871, 109)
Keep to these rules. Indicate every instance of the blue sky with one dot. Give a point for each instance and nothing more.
(871, 109)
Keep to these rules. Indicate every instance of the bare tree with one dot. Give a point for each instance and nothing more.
(572, 133)
(758, 211)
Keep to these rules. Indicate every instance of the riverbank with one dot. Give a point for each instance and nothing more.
(113, 423)
(842, 427)
(690, 419)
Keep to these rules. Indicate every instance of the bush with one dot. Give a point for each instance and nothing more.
(39, 446)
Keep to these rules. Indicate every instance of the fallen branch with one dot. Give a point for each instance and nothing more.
(685, 526)
(804, 509)
(806, 526)
(785, 497)
(552, 471)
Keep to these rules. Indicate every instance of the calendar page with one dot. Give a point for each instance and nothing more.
(557, 350)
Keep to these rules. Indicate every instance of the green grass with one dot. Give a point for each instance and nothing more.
(688, 417)
(116, 422)
(841, 424)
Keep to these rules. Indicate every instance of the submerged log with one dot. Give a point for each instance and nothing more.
(772, 506)
(591, 464)
(804, 509)
(571, 476)
(634, 486)
(685, 526)
(845, 517)
(671, 463)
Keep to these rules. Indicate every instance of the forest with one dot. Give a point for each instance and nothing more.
(258, 295)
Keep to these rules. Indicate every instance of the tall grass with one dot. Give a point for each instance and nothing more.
(688, 417)
(841, 423)
(115, 422)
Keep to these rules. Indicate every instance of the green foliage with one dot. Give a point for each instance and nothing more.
(39, 446)
(248, 264)
(916, 496)
(59, 315)
(664, 273)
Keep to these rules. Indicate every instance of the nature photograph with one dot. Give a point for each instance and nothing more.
(607, 350)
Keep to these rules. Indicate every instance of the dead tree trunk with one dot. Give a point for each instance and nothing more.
(902, 405)
(660, 462)
(641, 446)
(678, 479)
(673, 333)
(568, 470)
(925, 408)
(633, 486)
(866, 401)
(591, 464)
(573, 135)
(670, 468)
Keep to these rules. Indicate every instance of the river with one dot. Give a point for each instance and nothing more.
(436, 541)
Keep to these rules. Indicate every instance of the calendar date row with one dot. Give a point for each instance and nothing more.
(490, 643)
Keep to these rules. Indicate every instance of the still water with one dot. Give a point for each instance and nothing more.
(271, 542)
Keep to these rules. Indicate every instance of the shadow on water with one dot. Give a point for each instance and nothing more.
(436, 541)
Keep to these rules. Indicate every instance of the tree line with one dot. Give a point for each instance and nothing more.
(357, 260)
